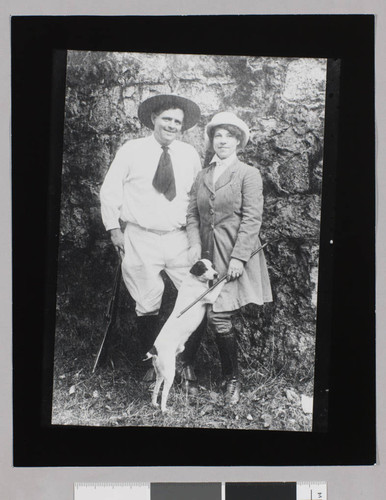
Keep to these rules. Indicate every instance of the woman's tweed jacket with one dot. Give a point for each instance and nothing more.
(226, 220)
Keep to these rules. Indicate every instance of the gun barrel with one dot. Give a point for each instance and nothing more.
(217, 283)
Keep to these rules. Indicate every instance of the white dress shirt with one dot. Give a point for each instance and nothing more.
(127, 192)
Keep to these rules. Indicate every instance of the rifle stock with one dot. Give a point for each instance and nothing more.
(111, 312)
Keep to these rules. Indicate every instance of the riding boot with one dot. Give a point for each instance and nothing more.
(148, 329)
(188, 375)
(227, 346)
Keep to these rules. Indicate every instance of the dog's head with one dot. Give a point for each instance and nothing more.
(203, 269)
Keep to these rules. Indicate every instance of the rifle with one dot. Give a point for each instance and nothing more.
(111, 311)
(220, 281)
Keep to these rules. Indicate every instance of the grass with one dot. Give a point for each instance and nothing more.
(113, 396)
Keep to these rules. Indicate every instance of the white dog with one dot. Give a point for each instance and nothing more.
(176, 331)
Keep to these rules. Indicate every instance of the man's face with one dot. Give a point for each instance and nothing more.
(167, 125)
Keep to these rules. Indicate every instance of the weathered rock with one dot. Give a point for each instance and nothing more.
(282, 100)
(305, 81)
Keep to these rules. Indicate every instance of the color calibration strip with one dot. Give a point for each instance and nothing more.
(201, 491)
(311, 491)
(112, 491)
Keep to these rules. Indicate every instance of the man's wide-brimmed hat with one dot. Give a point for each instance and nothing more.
(191, 111)
(228, 118)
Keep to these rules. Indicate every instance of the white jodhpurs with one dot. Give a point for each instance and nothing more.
(147, 253)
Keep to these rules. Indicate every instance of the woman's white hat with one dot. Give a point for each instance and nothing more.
(228, 118)
(191, 110)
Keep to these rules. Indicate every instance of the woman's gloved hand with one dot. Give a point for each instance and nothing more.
(235, 269)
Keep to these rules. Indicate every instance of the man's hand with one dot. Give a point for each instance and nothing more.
(118, 241)
(194, 253)
(235, 269)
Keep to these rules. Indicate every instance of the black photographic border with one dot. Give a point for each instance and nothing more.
(345, 362)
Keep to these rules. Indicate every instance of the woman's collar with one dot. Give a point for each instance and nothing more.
(226, 162)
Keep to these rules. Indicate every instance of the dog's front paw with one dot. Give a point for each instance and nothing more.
(155, 404)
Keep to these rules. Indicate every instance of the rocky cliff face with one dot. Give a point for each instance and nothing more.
(282, 100)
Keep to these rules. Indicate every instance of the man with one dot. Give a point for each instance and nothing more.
(147, 188)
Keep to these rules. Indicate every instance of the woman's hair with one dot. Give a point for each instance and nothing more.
(232, 129)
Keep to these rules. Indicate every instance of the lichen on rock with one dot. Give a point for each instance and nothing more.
(282, 100)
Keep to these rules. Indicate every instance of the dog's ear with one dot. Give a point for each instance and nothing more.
(199, 268)
(153, 351)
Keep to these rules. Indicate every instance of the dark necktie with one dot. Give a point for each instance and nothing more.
(164, 181)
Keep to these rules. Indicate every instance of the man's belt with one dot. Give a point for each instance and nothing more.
(160, 232)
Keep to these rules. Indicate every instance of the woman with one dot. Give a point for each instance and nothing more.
(223, 223)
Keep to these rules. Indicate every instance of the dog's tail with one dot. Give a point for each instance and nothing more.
(151, 353)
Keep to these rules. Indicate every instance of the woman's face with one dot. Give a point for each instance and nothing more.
(224, 143)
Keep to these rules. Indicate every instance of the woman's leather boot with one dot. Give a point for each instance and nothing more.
(227, 346)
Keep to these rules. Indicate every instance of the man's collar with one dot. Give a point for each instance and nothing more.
(156, 143)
